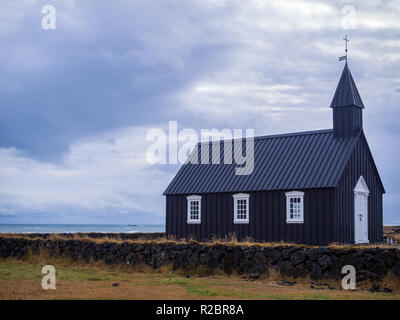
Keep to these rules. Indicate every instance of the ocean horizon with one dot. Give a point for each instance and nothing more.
(85, 228)
(76, 228)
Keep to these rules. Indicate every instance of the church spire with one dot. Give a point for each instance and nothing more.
(346, 92)
(347, 107)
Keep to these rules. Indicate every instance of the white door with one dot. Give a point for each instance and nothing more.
(361, 194)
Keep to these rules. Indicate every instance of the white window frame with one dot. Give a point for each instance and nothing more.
(189, 201)
(291, 195)
(241, 196)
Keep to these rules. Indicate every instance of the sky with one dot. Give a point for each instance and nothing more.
(77, 101)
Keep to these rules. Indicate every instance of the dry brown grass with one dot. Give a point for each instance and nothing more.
(137, 282)
(230, 240)
(43, 257)
(392, 232)
(22, 280)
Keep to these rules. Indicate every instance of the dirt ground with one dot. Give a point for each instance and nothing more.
(22, 280)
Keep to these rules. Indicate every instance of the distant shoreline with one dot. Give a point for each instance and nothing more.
(80, 228)
(85, 235)
(90, 228)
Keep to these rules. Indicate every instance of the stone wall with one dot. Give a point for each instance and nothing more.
(289, 260)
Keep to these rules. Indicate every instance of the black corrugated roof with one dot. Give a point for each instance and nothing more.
(303, 160)
(346, 93)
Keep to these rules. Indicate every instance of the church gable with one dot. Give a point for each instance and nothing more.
(361, 163)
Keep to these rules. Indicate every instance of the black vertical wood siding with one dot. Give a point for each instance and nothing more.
(359, 164)
(267, 217)
(347, 121)
(328, 212)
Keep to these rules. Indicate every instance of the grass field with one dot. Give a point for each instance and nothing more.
(21, 279)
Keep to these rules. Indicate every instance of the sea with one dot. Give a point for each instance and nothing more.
(74, 228)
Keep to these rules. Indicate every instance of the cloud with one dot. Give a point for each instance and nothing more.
(69, 97)
(95, 176)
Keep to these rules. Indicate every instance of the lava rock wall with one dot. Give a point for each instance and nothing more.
(289, 260)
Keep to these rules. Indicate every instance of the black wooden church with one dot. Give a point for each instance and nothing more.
(315, 187)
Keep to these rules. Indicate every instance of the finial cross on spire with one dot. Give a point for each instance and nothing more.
(345, 41)
(345, 56)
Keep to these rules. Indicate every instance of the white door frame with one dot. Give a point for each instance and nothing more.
(361, 194)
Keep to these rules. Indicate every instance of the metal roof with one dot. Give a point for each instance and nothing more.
(346, 93)
(303, 160)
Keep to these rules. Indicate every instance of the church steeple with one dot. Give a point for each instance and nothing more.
(347, 107)
(346, 92)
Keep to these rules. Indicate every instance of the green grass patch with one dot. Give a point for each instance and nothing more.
(213, 287)
(19, 270)
(202, 291)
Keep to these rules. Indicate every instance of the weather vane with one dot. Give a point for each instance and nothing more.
(345, 56)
